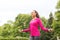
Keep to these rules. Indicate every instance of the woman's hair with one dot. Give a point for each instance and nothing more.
(37, 15)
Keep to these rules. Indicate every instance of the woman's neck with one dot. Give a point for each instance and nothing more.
(34, 18)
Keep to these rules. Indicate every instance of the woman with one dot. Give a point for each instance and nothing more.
(33, 26)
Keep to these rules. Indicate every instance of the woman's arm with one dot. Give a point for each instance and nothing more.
(26, 30)
(41, 25)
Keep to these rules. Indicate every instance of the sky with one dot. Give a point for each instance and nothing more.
(9, 9)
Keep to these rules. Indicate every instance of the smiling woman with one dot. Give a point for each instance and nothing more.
(34, 24)
(18, 12)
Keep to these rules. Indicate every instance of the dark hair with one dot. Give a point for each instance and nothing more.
(37, 15)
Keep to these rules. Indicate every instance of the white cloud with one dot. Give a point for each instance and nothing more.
(9, 9)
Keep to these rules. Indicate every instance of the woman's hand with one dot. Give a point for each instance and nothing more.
(50, 30)
(20, 30)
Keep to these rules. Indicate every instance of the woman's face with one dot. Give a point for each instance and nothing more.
(33, 14)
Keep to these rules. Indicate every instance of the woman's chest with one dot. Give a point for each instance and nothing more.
(33, 22)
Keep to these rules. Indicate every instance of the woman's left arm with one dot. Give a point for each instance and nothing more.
(41, 25)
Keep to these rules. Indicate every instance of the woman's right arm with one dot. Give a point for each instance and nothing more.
(26, 30)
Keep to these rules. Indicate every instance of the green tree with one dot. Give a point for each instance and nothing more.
(58, 4)
(21, 22)
(48, 24)
(56, 23)
(50, 20)
(50, 35)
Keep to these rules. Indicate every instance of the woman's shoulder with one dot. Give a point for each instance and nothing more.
(38, 18)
